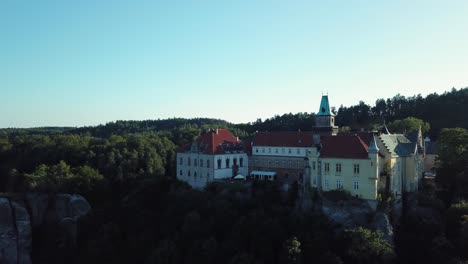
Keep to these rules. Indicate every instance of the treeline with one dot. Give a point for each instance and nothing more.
(121, 160)
(447, 110)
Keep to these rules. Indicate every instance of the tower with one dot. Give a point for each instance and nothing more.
(324, 121)
(373, 154)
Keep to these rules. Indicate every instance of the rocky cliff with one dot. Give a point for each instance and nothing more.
(52, 218)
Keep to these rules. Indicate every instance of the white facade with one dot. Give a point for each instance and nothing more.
(280, 151)
(199, 169)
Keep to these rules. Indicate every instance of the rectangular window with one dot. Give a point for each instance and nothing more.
(298, 151)
(327, 168)
(313, 165)
(181, 161)
(189, 161)
(338, 184)
(269, 150)
(356, 185)
(201, 163)
(289, 150)
(256, 150)
(356, 168)
(207, 163)
(338, 168)
(277, 163)
(298, 164)
(194, 162)
(326, 185)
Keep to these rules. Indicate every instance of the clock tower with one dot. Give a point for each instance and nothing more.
(324, 121)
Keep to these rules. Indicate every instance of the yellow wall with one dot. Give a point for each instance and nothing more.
(367, 176)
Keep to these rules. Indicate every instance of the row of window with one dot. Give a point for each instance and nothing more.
(283, 150)
(227, 162)
(181, 173)
(326, 168)
(339, 185)
(276, 163)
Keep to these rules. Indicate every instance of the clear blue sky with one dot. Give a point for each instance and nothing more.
(74, 63)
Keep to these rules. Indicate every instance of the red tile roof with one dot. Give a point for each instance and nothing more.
(284, 139)
(217, 141)
(343, 146)
(366, 136)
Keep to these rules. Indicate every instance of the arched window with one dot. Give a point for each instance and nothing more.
(188, 173)
(219, 163)
(195, 174)
(234, 162)
(194, 162)
(180, 173)
(228, 163)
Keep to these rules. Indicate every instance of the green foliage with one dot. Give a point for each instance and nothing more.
(62, 178)
(164, 221)
(453, 148)
(385, 200)
(408, 124)
(452, 161)
(440, 111)
(368, 247)
(293, 247)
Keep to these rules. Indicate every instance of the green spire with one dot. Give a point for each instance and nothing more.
(324, 107)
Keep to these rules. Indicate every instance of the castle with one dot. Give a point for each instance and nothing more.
(361, 163)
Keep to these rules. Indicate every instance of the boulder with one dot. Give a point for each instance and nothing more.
(54, 216)
(8, 234)
(347, 214)
(15, 233)
(381, 222)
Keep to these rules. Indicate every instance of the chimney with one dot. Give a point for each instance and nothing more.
(217, 132)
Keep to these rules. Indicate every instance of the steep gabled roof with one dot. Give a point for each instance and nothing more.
(219, 141)
(343, 146)
(398, 145)
(284, 139)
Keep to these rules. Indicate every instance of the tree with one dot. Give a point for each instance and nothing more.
(452, 160)
(368, 247)
(408, 124)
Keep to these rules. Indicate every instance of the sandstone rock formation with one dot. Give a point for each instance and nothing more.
(50, 214)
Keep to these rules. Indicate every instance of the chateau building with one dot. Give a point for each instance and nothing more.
(215, 155)
(363, 163)
(280, 155)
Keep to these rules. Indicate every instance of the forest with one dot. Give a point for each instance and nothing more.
(143, 214)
